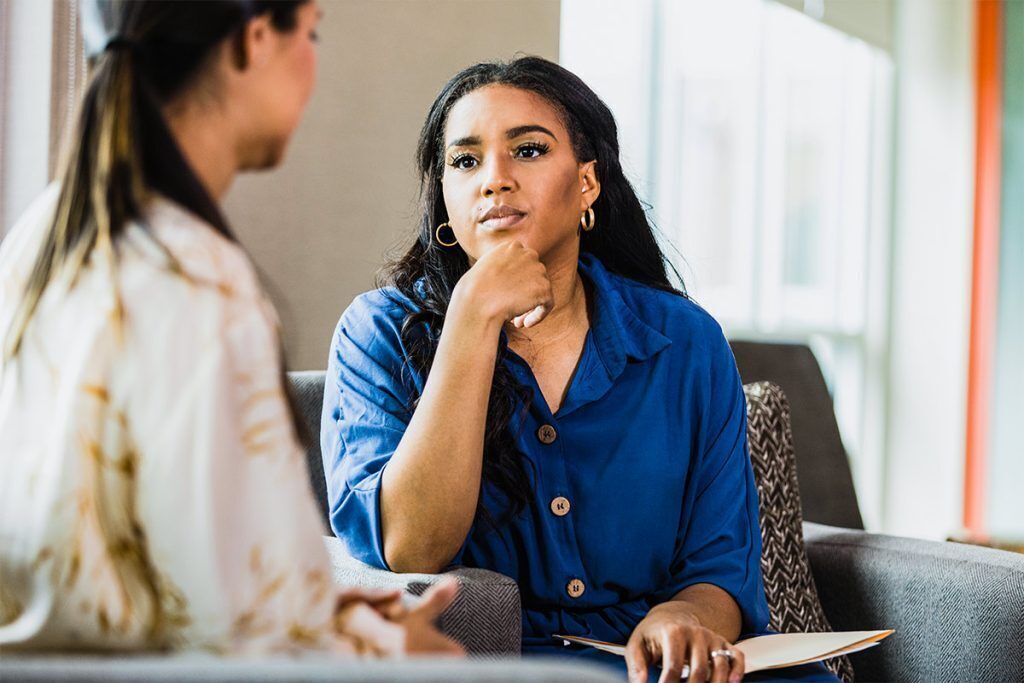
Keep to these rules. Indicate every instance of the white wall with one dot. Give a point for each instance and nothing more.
(319, 226)
(25, 134)
(931, 267)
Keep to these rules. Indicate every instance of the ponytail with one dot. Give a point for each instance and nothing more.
(143, 53)
(102, 186)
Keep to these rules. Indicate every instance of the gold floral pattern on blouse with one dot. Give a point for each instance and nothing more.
(149, 472)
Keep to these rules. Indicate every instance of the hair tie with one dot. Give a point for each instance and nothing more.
(119, 42)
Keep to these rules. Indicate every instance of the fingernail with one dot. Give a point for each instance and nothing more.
(735, 678)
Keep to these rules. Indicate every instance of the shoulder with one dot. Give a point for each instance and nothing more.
(206, 258)
(679, 318)
(378, 312)
(21, 244)
(373, 323)
(385, 306)
(199, 281)
(368, 344)
(699, 354)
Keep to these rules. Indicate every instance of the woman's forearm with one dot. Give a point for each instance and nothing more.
(431, 485)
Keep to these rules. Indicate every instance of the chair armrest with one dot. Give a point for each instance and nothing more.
(958, 610)
(309, 668)
(485, 618)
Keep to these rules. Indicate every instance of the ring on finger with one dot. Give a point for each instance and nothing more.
(728, 654)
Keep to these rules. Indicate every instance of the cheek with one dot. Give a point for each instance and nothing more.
(300, 81)
(560, 200)
(571, 193)
(294, 86)
(458, 202)
(309, 69)
(460, 197)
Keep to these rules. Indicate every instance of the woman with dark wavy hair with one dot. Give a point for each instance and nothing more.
(528, 393)
(153, 493)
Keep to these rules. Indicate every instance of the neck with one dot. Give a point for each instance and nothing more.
(207, 144)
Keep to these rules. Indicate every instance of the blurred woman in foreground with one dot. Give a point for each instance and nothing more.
(153, 493)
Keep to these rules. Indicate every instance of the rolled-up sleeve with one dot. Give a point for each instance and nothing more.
(366, 411)
(719, 539)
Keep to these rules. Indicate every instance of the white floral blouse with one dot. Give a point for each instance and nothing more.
(152, 491)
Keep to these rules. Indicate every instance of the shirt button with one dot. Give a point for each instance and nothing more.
(547, 434)
(560, 506)
(575, 588)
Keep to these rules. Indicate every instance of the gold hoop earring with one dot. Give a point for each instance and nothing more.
(437, 236)
(587, 220)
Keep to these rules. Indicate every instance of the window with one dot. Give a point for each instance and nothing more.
(4, 66)
(42, 72)
(69, 76)
(765, 150)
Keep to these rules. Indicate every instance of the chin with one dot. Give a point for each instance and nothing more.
(269, 156)
(274, 157)
(510, 236)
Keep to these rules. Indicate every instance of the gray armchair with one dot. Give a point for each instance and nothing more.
(958, 610)
(208, 668)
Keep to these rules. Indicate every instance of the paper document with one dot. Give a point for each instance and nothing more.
(776, 651)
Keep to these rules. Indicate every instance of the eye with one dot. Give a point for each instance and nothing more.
(532, 150)
(314, 36)
(463, 162)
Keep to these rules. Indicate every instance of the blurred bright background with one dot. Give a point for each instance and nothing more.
(843, 173)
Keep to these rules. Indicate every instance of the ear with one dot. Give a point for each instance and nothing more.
(255, 43)
(590, 186)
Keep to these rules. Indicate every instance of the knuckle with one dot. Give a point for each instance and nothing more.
(675, 630)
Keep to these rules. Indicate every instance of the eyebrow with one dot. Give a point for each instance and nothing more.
(511, 134)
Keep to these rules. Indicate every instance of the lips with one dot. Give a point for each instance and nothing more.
(502, 216)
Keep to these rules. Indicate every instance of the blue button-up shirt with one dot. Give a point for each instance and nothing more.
(649, 450)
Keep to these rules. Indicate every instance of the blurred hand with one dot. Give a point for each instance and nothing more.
(507, 283)
(381, 625)
(387, 602)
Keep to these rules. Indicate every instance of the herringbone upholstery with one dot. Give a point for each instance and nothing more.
(485, 617)
(792, 596)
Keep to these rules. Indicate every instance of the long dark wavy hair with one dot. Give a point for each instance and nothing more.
(144, 53)
(623, 240)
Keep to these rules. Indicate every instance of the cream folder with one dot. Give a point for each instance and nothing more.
(779, 650)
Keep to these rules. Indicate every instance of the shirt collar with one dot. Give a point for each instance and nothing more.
(618, 334)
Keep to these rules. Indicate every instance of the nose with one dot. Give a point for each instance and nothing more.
(497, 177)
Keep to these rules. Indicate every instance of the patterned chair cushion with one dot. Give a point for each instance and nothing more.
(792, 597)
